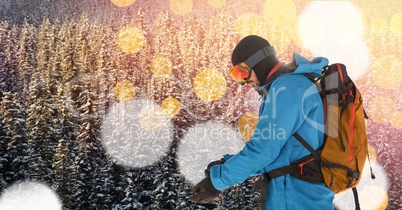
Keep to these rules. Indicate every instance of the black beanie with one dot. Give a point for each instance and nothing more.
(246, 48)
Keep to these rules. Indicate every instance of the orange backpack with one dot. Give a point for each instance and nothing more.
(339, 162)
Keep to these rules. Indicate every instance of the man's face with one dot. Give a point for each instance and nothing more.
(253, 80)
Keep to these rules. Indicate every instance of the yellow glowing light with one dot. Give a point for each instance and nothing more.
(181, 7)
(379, 27)
(373, 197)
(396, 25)
(386, 72)
(281, 23)
(131, 40)
(250, 23)
(396, 120)
(209, 85)
(247, 125)
(379, 109)
(170, 106)
(217, 3)
(161, 65)
(122, 3)
(124, 91)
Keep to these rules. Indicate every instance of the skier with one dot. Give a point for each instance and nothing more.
(290, 102)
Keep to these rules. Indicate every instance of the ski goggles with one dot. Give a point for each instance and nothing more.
(242, 71)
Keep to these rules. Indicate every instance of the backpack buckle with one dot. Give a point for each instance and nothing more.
(353, 174)
(348, 98)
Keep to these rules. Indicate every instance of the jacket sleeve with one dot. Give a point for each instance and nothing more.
(281, 115)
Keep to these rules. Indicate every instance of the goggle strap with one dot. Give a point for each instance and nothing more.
(259, 56)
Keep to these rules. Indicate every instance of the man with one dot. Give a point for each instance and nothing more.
(290, 103)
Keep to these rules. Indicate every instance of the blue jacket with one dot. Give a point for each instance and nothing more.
(292, 104)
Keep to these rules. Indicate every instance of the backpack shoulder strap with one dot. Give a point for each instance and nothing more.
(307, 146)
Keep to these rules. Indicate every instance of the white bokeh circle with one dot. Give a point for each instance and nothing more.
(136, 133)
(335, 29)
(29, 195)
(204, 143)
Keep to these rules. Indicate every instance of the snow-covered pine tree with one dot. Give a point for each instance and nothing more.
(102, 65)
(89, 179)
(84, 92)
(41, 113)
(66, 182)
(130, 200)
(165, 38)
(26, 59)
(171, 190)
(93, 41)
(249, 194)
(226, 37)
(164, 82)
(60, 169)
(190, 41)
(124, 64)
(65, 120)
(80, 65)
(89, 137)
(88, 143)
(144, 182)
(193, 62)
(68, 57)
(80, 183)
(40, 126)
(142, 63)
(108, 191)
(66, 131)
(105, 68)
(7, 172)
(241, 196)
(66, 52)
(5, 28)
(98, 178)
(44, 47)
(3, 152)
(112, 58)
(8, 64)
(53, 73)
(166, 182)
(212, 56)
(13, 118)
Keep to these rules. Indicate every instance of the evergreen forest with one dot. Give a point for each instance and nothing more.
(57, 83)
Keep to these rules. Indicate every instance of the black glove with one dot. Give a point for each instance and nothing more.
(204, 191)
(261, 185)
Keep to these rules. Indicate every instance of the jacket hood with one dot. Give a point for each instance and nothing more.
(303, 66)
(312, 67)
